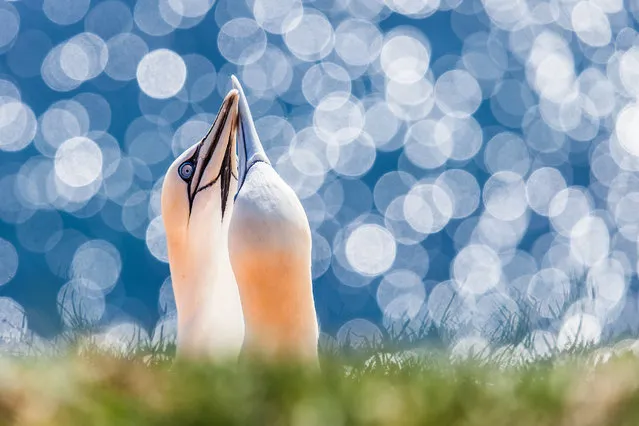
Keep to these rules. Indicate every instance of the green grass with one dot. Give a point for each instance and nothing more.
(145, 387)
(405, 379)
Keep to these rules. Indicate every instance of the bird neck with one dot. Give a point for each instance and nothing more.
(209, 311)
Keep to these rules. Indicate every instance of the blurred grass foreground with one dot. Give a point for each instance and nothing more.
(584, 388)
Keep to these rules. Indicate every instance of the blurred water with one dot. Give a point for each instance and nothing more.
(466, 166)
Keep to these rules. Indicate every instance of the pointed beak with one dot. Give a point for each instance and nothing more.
(250, 149)
(216, 159)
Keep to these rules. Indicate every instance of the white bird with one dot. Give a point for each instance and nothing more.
(270, 251)
(196, 208)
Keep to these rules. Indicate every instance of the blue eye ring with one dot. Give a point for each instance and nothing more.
(186, 170)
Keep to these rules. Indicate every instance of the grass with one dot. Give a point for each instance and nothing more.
(145, 387)
(405, 379)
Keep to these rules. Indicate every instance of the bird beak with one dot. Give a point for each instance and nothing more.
(216, 158)
(250, 149)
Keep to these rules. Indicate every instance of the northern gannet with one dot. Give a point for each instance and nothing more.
(270, 251)
(196, 208)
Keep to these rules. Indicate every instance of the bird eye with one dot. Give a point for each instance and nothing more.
(186, 170)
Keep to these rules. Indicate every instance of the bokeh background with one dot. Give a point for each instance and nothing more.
(469, 168)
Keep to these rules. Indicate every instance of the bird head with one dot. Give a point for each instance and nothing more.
(250, 149)
(198, 189)
(267, 211)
